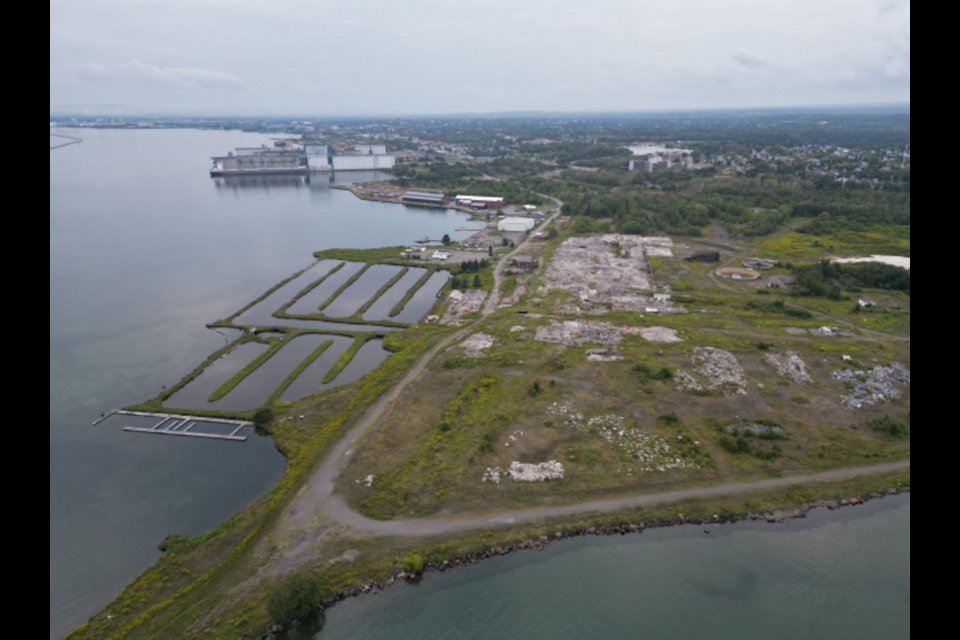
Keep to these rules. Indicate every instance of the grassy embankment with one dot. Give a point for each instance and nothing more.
(195, 571)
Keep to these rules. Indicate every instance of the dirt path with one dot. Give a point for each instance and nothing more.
(336, 508)
(318, 496)
(318, 500)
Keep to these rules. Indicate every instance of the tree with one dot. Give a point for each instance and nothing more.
(476, 282)
(455, 282)
(445, 239)
(535, 389)
(505, 242)
(490, 250)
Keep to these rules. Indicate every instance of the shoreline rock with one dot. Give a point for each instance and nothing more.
(538, 544)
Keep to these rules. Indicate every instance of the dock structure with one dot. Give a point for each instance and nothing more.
(172, 424)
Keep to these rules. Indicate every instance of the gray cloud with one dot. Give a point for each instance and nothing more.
(142, 73)
(749, 60)
(338, 56)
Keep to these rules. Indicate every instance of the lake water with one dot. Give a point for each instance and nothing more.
(145, 249)
(835, 575)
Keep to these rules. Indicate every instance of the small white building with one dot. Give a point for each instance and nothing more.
(661, 297)
(516, 224)
(529, 208)
(441, 255)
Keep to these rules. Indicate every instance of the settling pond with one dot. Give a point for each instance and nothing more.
(145, 250)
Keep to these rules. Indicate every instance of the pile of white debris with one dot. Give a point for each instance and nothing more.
(522, 472)
(789, 365)
(721, 370)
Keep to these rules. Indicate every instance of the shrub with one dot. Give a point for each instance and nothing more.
(669, 419)
(888, 425)
(263, 417)
(295, 597)
(664, 373)
(763, 346)
(413, 563)
(535, 388)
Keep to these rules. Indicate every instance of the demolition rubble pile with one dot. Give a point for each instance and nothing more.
(789, 365)
(611, 270)
(651, 449)
(878, 385)
(720, 369)
(474, 345)
(660, 334)
(576, 333)
(522, 472)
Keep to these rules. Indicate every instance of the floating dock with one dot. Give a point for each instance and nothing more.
(180, 425)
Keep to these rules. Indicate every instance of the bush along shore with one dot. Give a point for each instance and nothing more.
(415, 566)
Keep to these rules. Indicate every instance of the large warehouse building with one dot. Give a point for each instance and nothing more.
(480, 202)
(516, 224)
(290, 156)
(424, 197)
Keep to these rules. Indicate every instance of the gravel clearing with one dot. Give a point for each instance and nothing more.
(475, 344)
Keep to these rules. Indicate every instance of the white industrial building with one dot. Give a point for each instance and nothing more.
(480, 202)
(362, 163)
(371, 149)
(516, 224)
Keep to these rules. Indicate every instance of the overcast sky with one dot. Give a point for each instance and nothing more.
(334, 57)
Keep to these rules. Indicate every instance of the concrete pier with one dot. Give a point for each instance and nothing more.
(197, 434)
(181, 425)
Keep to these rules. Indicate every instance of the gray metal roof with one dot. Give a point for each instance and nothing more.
(423, 195)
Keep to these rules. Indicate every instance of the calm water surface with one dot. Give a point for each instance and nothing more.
(145, 249)
(424, 298)
(841, 575)
(362, 289)
(380, 310)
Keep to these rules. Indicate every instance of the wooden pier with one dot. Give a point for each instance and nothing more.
(181, 425)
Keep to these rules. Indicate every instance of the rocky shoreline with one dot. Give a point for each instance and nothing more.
(374, 587)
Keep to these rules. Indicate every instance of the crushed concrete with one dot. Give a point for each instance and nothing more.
(521, 472)
(651, 449)
(516, 328)
(609, 357)
(474, 345)
(879, 385)
(591, 269)
(721, 370)
(789, 365)
(660, 334)
(578, 332)
(492, 474)
(463, 303)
